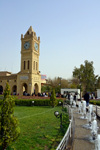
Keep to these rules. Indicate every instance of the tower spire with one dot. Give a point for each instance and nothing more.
(29, 31)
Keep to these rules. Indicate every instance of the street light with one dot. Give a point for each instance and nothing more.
(56, 113)
(61, 104)
(32, 103)
(60, 83)
(80, 91)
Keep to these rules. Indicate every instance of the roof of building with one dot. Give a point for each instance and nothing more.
(5, 73)
(30, 30)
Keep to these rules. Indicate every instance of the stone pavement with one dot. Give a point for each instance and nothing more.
(82, 135)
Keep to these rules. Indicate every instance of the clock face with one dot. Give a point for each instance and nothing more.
(36, 46)
(26, 45)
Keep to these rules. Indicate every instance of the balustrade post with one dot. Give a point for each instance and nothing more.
(70, 127)
(96, 110)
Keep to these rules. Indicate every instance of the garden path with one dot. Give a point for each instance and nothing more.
(82, 135)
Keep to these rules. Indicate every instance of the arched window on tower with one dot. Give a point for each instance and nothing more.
(28, 65)
(24, 65)
(34, 65)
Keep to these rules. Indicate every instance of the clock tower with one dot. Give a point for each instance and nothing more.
(29, 78)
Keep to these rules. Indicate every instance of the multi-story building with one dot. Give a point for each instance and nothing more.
(28, 80)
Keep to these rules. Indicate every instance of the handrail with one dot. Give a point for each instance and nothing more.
(98, 114)
(64, 141)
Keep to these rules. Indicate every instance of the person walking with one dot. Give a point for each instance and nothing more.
(86, 97)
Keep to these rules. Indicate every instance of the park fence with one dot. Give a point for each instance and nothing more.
(64, 142)
(98, 112)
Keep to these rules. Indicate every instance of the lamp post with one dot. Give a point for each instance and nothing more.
(32, 103)
(80, 91)
(61, 104)
(56, 113)
(60, 83)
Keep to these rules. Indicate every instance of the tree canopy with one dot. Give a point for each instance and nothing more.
(85, 75)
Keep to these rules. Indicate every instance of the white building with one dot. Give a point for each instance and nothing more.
(73, 91)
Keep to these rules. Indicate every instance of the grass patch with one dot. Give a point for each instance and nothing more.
(39, 128)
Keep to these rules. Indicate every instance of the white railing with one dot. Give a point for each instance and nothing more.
(65, 139)
(98, 111)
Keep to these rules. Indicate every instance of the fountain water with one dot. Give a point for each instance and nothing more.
(94, 129)
(84, 108)
(91, 108)
(89, 118)
(74, 104)
(71, 99)
(97, 143)
(79, 107)
(89, 113)
(94, 116)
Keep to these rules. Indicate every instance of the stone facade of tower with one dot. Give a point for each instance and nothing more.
(28, 80)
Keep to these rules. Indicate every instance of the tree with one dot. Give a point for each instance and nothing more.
(46, 88)
(73, 83)
(9, 130)
(53, 98)
(58, 83)
(85, 75)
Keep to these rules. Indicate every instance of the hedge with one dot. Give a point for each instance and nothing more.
(37, 102)
(28, 102)
(95, 102)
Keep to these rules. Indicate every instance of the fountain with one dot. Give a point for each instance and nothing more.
(97, 143)
(89, 118)
(71, 100)
(94, 129)
(74, 104)
(94, 116)
(89, 113)
(91, 108)
(79, 107)
(84, 108)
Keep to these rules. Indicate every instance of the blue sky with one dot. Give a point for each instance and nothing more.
(69, 32)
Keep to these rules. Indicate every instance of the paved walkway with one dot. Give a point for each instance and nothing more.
(82, 135)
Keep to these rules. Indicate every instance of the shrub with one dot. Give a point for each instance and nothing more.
(95, 102)
(37, 102)
(0, 102)
(53, 98)
(65, 122)
(9, 130)
(1, 97)
(28, 102)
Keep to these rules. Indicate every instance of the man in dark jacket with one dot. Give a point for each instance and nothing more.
(86, 97)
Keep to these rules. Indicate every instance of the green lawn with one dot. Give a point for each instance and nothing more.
(39, 128)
